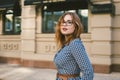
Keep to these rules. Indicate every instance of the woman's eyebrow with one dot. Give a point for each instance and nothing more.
(66, 20)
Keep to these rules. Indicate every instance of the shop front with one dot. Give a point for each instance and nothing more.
(27, 31)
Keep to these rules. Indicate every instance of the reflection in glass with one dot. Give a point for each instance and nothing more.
(8, 22)
(83, 14)
(49, 21)
(17, 25)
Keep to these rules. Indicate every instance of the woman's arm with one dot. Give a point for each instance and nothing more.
(80, 55)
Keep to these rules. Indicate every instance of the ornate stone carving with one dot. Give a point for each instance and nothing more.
(9, 46)
(50, 48)
(46, 47)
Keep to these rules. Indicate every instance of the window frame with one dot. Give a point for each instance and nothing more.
(16, 20)
(12, 31)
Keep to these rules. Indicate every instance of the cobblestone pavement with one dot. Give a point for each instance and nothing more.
(15, 72)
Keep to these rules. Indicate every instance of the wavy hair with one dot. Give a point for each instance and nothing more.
(60, 38)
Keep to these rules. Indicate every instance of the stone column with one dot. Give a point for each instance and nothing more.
(28, 30)
(101, 42)
(101, 36)
(1, 24)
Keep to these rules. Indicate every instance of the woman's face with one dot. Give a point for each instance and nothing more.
(67, 27)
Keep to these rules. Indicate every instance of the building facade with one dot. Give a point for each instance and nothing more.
(27, 31)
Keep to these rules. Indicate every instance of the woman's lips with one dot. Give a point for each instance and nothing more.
(64, 29)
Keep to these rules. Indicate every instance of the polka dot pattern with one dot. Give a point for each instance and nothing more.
(73, 59)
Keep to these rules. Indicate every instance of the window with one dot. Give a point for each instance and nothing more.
(50, 19)
(83, 14)
(11, 22)
(11, 17)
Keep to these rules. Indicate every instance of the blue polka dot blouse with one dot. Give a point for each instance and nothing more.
(73, 59)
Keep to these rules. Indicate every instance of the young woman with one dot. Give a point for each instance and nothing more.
(71, 60)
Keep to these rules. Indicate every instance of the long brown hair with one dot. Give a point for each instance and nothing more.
(60, 38)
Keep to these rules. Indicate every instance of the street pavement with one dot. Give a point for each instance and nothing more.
(15, 72)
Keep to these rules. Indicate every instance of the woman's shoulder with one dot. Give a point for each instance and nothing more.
(77, 40)
(76, 44)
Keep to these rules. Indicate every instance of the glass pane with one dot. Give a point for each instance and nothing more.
(17, 26)
(83, 14)
(56, 16)
(47, 22)
(50, 20)
(9, 22)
